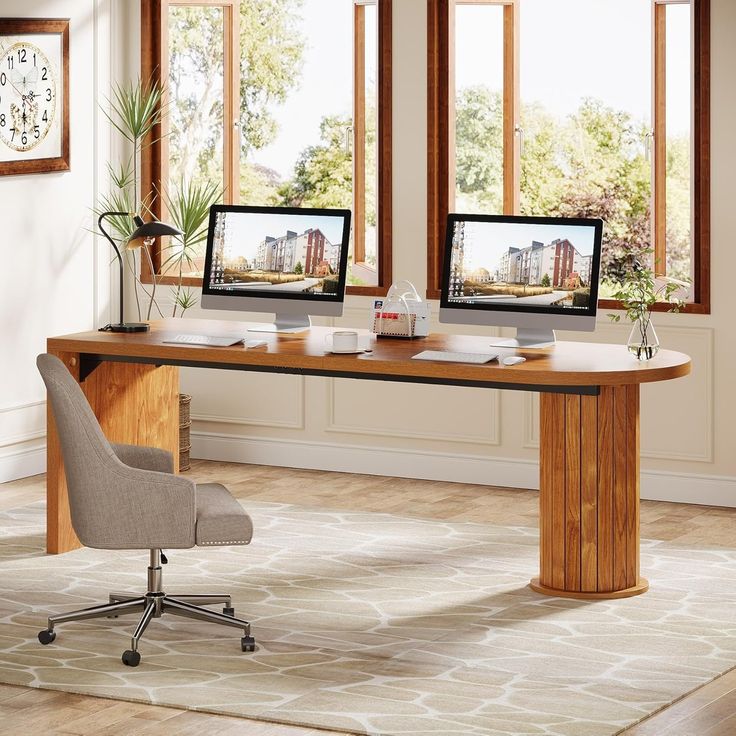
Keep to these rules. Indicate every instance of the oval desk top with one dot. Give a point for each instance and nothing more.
(563, 364)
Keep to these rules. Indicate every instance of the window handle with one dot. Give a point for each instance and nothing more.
(236, 134)
(648, 140)
(348, 138)
(520, 133)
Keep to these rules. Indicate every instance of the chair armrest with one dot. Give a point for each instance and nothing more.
(144, 458)
(143, 509)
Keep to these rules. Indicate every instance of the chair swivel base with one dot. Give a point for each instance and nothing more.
(153, 605)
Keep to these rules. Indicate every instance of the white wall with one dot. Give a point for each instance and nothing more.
(53, 280)
(486, 436)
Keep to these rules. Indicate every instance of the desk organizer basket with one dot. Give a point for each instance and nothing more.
(185, 424)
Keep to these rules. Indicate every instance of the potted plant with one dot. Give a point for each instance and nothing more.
(135, 109)
(638, 291)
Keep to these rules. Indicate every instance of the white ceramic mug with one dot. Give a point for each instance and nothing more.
(343, 341)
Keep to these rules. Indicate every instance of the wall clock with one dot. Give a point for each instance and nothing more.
(34, 95)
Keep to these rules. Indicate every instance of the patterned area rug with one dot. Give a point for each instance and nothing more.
(373, 623)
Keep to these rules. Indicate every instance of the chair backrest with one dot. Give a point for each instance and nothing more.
(86, 451)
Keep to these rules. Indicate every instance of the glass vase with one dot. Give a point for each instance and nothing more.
(643, 342)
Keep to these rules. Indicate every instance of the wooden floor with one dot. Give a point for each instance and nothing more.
(709, 711)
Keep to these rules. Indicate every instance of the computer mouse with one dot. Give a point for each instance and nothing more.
(513, 360)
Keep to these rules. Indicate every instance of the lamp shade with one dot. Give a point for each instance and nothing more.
(151, 229)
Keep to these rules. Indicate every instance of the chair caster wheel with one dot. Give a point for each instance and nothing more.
(248, 644)
(131, 658)
(46, 636)
(229, 611)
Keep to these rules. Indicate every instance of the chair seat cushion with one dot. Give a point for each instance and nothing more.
(221, 520)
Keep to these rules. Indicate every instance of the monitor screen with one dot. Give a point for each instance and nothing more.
(522, 264)
(277, 253)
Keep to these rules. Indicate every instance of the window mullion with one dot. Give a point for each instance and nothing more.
(659, 116)
(359, 138)
(451, 105)
(231, 102)
(511, 129)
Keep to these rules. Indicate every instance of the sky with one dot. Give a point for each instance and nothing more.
(570, 49)
(248, 229)
(486, 242)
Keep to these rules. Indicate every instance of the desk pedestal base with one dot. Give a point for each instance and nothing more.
(589, 494)
(641, 587)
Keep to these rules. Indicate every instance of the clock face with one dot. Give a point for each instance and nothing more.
(27, 96)
(31, 96)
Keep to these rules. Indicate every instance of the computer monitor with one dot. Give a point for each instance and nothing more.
(537, 274)
(287, 260)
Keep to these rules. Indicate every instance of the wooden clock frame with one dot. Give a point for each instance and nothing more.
(59, 26)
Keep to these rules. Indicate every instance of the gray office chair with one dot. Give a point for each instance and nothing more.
(127, 497)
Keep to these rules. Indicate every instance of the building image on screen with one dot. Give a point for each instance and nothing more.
(521, 264)
(276, 253)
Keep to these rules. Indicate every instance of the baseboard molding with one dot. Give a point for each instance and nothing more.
(361, 459)
(708, 490)
(705, 490)
(23, 463)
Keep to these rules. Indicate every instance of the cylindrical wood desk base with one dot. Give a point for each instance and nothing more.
(589, 494)
(641, 587)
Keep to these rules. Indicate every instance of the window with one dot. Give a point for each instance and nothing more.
(532, 110)
(278, 102)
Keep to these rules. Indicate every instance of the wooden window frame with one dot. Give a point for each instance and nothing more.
(440, 123)
(154, 66)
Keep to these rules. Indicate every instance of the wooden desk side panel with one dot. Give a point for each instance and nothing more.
(60, 536)
(135, 404)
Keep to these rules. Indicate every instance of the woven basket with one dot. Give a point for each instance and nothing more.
(185, 424)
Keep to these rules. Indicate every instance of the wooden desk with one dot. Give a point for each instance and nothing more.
(589, 413)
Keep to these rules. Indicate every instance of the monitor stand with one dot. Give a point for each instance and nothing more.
(285, 323)
(527, 337)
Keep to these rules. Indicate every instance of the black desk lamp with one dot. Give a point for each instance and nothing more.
(150, 230)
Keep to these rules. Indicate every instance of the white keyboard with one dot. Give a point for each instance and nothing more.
(216, 342)
(447, 357)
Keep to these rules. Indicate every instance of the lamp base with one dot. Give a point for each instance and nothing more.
(127, 327)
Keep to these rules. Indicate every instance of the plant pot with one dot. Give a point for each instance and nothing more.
(643, 342)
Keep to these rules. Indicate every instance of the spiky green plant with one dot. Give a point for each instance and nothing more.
(135, 109)
(188, 205)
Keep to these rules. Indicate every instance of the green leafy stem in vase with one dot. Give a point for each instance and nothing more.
(638, 291)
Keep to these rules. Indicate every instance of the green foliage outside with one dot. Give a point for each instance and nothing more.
(272, 52)
(299, 268)
(272, 48)
(545, 280)
(323, 174)
(590, 164)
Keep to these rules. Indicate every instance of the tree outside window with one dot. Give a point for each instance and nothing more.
(548, 116)
(303, 79)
